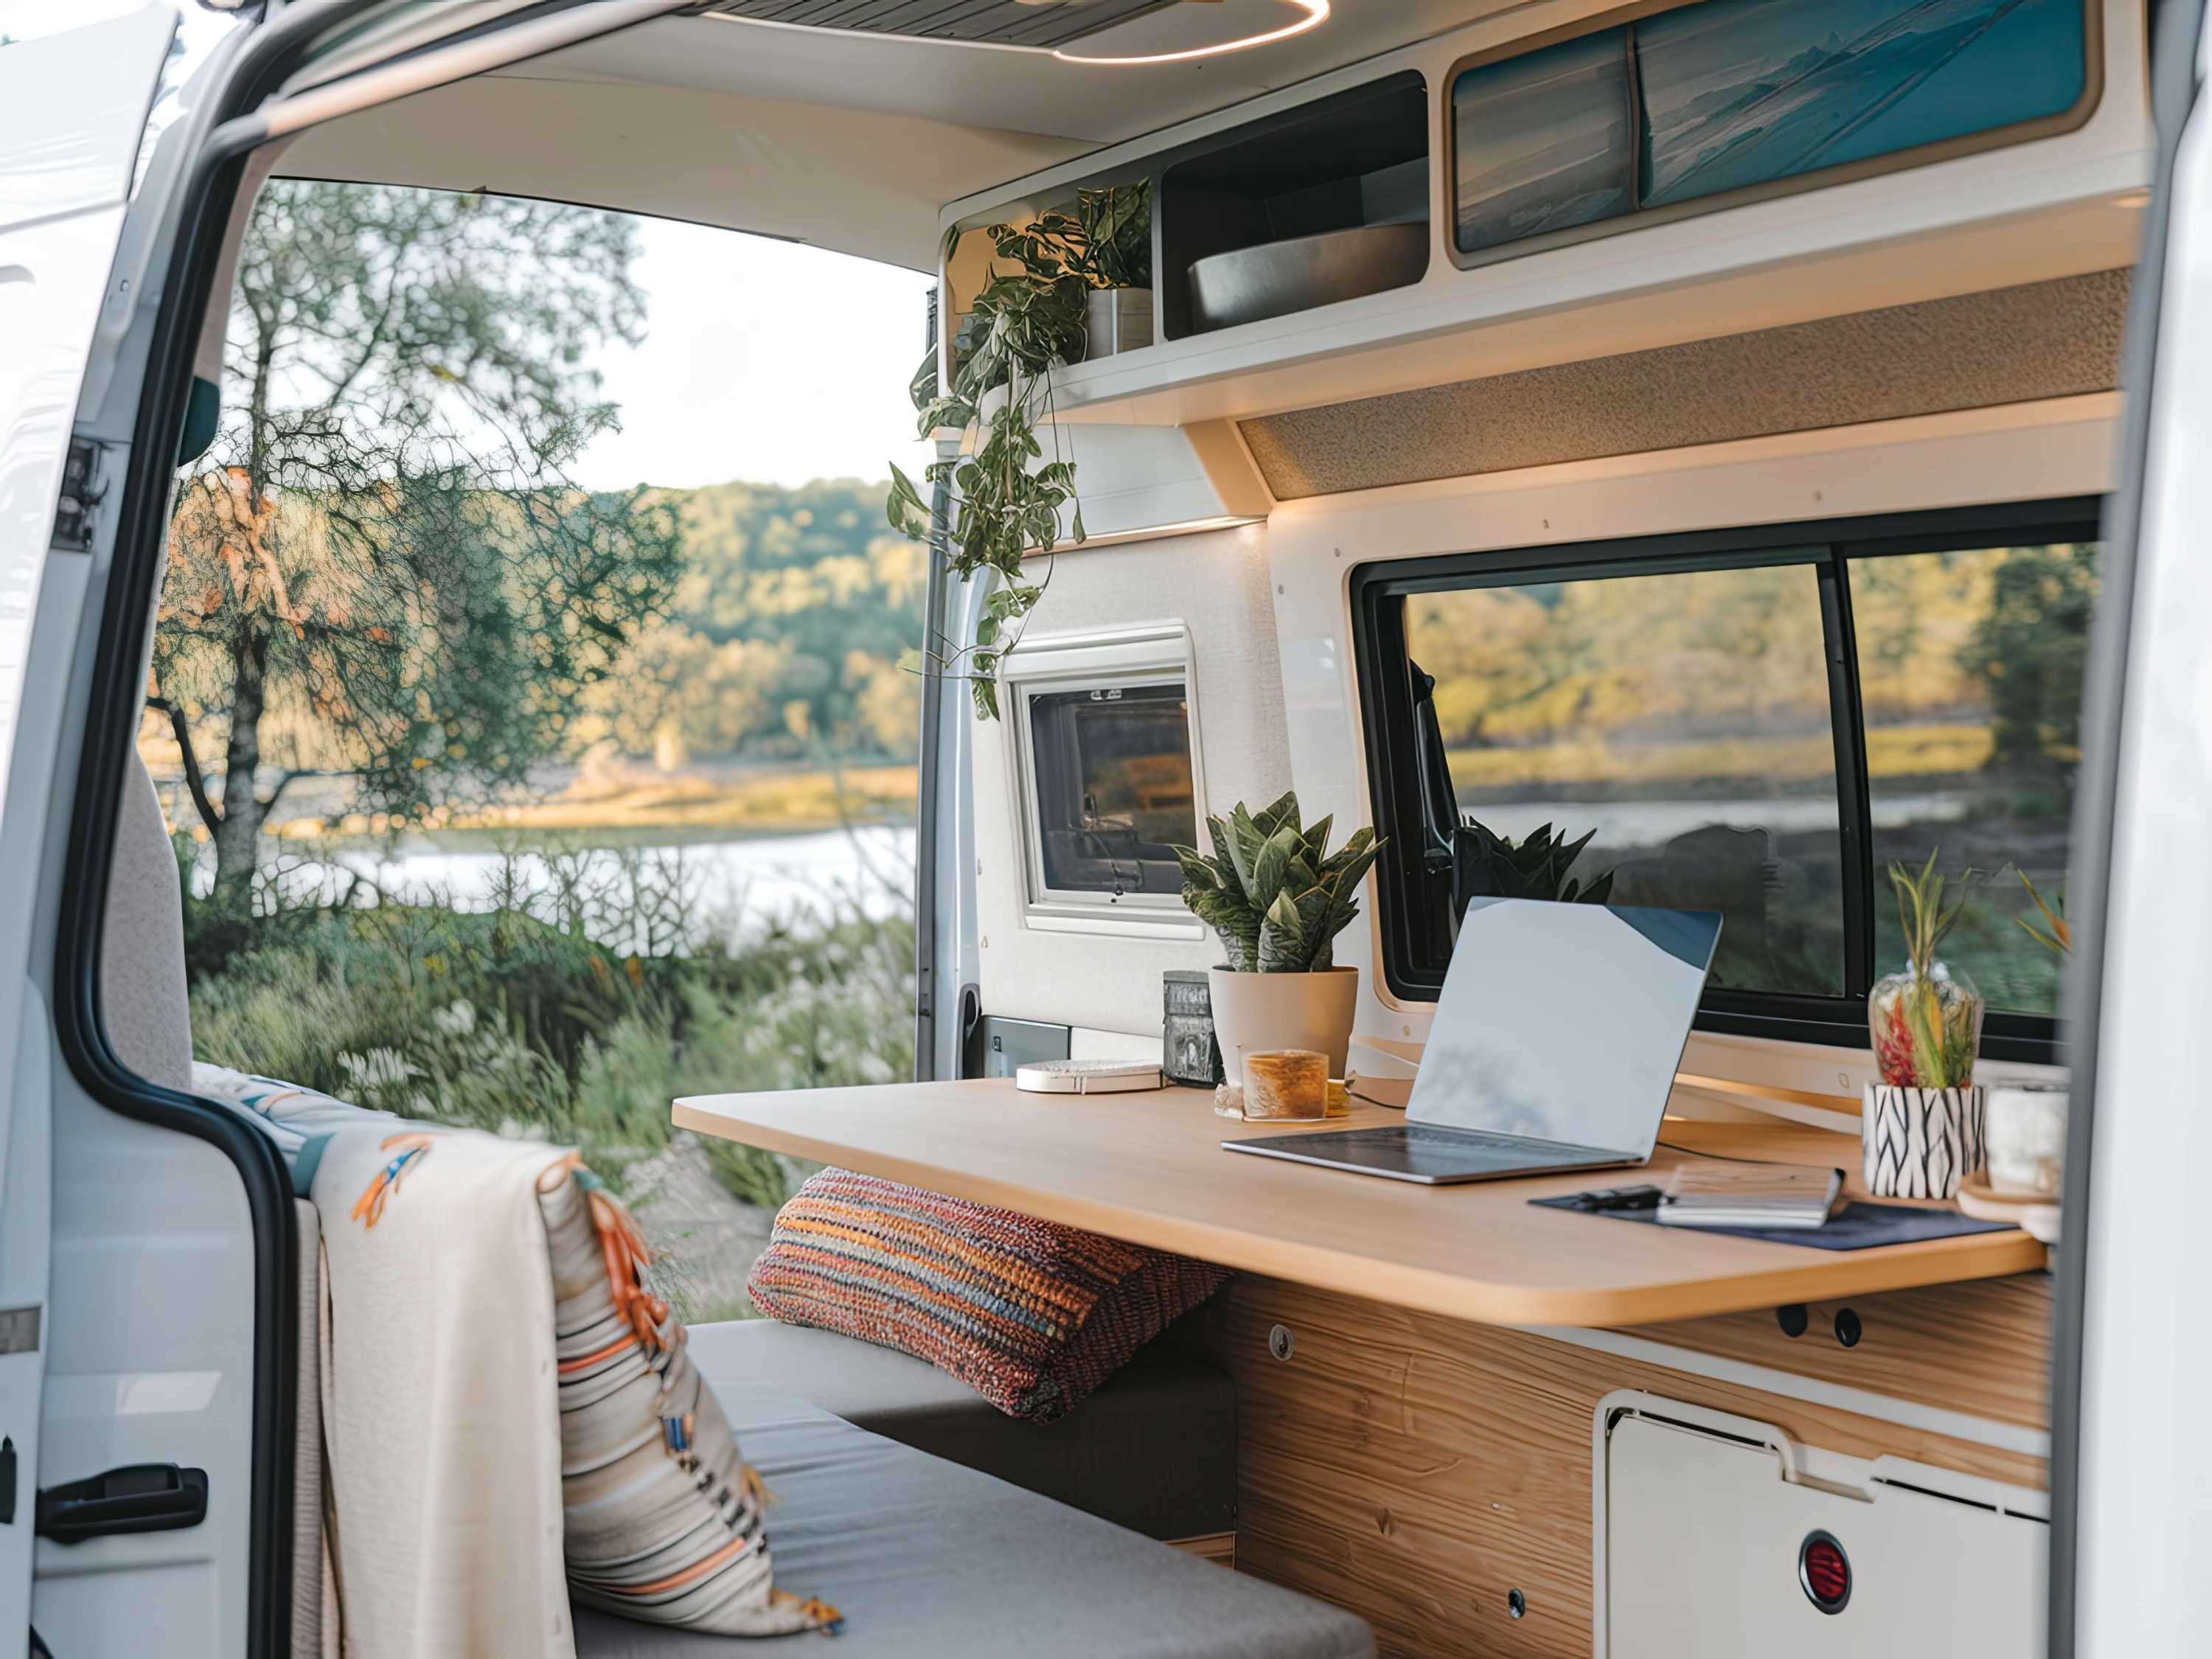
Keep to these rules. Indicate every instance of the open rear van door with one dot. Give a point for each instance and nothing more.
(2131, 1465)
(74, 104)
(150, 1315)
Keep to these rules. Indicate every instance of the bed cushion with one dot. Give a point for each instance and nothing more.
(929, 1560)
(1153, 1450)
(662, 1518)
(1031, 1315)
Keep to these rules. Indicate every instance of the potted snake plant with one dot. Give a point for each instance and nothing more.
(1278, 898)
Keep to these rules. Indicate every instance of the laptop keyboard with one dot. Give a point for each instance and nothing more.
(1447, 1149)
(1422, 1134)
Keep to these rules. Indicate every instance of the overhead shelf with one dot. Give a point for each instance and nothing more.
(2049, 197)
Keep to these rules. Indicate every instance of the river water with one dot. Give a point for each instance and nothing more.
(726, 888)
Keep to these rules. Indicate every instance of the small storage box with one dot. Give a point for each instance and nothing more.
(1720, 1538)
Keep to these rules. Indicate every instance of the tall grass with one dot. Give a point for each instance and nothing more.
(572, 1004)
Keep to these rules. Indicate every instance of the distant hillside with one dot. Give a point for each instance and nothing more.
(787, 632)
(1625, 679)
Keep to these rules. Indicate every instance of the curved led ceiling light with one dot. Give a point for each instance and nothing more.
(1316, 14)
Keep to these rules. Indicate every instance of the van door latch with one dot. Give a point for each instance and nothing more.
(83, 488)
(137, 1497)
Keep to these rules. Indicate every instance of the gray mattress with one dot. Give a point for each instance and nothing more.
(929, 1560)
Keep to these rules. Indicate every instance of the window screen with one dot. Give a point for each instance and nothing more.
(1112, 773)
(1699, 101)
(1748, 721)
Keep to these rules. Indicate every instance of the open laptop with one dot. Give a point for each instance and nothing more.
(1553, 1047)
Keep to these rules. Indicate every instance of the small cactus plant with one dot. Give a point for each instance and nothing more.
(1271, 890)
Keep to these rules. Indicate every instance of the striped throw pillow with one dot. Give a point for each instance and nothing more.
(1031, 1315)
(663, 1516)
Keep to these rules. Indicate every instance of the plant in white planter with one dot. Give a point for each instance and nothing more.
(1278, 898)
(1923, 1126)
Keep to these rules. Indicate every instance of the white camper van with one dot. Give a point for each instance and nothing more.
(1585, 604)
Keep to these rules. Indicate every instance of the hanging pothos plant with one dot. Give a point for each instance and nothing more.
(1006, 499)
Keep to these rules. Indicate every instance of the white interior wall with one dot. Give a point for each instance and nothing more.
(2023, 452)
(1215, 582)
(1269, 609)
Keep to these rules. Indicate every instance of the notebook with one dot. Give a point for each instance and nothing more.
(1717, 1194)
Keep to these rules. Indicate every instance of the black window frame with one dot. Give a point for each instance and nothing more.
(1409, 963)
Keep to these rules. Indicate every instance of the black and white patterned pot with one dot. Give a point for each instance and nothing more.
(1920, 1143)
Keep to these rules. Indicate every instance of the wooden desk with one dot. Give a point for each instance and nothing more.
(1149, 1168)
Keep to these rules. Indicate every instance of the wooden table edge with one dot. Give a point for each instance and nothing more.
(1451, 1295)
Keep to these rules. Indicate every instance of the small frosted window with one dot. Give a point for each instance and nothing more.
(1544, 141)
(1114, 791)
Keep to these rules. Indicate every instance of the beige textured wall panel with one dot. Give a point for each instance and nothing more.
(2007, 345)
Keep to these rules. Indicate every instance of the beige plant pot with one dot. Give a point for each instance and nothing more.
(1253, 1013)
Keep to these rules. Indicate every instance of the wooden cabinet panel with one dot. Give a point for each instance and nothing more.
(1983, 1347)
(1419, 1469)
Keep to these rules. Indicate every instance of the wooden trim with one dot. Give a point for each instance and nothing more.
(1758, 1094)
(1981, 1348)
(1219, 1548)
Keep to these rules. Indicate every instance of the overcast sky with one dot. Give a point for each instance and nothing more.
(763, 361)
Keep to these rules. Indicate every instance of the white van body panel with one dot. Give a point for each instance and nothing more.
(72, 107)
(2145, 1479)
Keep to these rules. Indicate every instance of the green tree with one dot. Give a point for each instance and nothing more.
(2030, 648)
(384, 571)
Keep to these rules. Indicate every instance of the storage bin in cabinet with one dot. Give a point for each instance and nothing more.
(1719, 1537)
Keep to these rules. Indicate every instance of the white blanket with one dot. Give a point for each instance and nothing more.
(441, 1418)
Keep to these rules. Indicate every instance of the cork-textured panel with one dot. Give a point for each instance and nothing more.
(2052, 339)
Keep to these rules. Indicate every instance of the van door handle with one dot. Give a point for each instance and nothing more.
(137, 1497)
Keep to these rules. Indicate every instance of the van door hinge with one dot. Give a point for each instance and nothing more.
(84, 487)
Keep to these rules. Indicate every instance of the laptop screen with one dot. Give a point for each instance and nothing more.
(1565, 1021)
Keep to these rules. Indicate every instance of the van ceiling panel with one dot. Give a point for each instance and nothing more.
(865, 182)
(2051, 339)
(996, 23)
(978, 84)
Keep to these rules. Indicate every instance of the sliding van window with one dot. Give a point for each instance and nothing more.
(1756, 723)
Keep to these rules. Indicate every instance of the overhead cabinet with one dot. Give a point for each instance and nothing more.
(1328, 202)
(1711, 105)
(1479, 178)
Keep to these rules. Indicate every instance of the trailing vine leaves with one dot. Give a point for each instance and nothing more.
(1006, 498)
(1107, 242)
